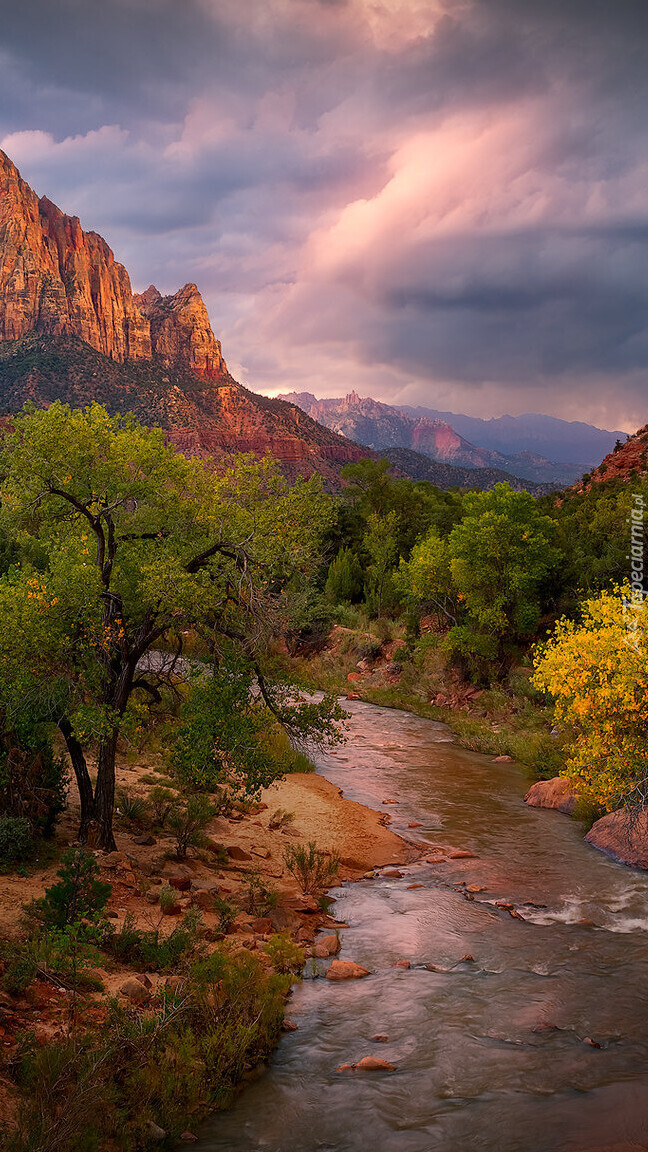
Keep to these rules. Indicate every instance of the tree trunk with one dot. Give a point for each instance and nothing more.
(105, 791)
(84, 783)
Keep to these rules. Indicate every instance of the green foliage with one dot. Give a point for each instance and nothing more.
(345, 579)
(259, 898)
(32, 779)
(16, 839)
(125, 544)
(592, 532)
(168, 899)
(78, 896)
(133, 808)
(19, 974)
(286, 956)
(151, 948)
(188, 822)
(220, 743)
(162, 802)
(312, 867)
(102, 1088)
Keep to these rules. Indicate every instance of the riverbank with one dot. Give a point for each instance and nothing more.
(238, 890)
(503, 966)
(509, 719)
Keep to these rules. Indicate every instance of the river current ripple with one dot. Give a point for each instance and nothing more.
(493, 1054)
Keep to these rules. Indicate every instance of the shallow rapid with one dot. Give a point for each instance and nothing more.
(492, 1053)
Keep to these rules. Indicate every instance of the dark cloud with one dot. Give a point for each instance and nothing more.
(397, 196)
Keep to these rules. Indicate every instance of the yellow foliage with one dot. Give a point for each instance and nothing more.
(596, 670)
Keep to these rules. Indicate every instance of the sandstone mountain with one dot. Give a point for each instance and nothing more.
(384, 427)
(72, 329)
(626, 461)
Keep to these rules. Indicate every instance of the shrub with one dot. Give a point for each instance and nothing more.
(78, 896)
(103, 1087)
(280, 818)
(32, 780)
(312, 868)
(132, 808)
(226, 912)
(163, 801)
(149, 948)
(286, 956)
(20, 973)
(259, 899)
(16, 840)
(188, 824)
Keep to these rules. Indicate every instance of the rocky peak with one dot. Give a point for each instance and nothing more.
(57, 280)
(181, 332)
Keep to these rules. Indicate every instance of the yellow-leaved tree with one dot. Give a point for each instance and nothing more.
(596, 670)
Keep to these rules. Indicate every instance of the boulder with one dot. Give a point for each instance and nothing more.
(237, 853)
(346, 970)
(180, 883)
(262, 925)
(155, 1132)
(203, 898)
(622, 835)
(135, 991)
(375, 1064)
(327, 946)
(557, 793)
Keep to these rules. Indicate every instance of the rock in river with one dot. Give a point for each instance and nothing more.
(556, 793)
(623, 835)
(346, 970)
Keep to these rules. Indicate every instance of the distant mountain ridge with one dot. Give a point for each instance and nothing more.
(384, 427)
(570, 442)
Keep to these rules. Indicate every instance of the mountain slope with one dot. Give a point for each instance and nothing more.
(420, 467)
(72, 329)
(382, 426)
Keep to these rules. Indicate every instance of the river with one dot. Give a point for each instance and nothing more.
(491, 1054)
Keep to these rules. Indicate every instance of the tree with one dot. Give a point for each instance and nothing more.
(425, 579)
(345, 580)
(125, 544)
(488, 578)
(380, 543)
(596, 670)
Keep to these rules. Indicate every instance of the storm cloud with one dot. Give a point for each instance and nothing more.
(436, 202)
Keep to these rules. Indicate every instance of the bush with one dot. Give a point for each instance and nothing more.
(20, 973)
(163, 801)
(312, 868)
(188, 824)
(32, 780)
(78, 896)
(286, 956)
(132, 808)
(16, 840)
(149, 948)
(102, 1088)
(259, 899)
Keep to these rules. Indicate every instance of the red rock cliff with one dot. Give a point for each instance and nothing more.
(57, 280)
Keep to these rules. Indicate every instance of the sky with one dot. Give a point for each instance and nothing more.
(435, 202)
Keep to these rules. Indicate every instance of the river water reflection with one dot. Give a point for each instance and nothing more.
(491, 1054)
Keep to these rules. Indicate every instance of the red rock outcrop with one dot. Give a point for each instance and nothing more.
(556, 793)
(180, 331)
(57, 280)
(622, 835)
(71, 329)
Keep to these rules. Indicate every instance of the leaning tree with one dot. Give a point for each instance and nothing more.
(120, 545)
